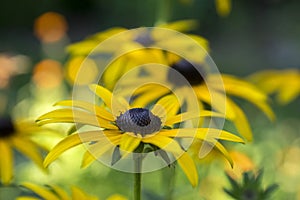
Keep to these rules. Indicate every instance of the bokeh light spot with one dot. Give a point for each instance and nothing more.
(50, 27)
(48, 74)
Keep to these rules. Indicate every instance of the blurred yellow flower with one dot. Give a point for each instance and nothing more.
(128, 129)
(211, 88)
(142, 38)
(285, 84)
(223, 7)
(17, 135)
(53, 192)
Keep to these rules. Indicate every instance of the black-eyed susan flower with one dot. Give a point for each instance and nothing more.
(54, 192)
(123, 129)
(285, 84)
(119, 41)
(211, 88)
(16, 135)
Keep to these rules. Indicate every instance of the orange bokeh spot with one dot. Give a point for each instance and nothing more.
(48, 74)
(50, 27)
(242, 163)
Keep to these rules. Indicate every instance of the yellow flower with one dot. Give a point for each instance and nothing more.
(284, 83)
(118, 41)
(53, 192)
(16, 135)
(211, 88)
(223, 7)
(126, 129)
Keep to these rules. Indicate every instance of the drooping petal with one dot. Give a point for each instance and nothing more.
(129, 142)
(217, 100)
(41, 191)
(170, 145)
(223, 150)
(101, 112)
(247, 91)
(62, 146)
(192, 115)
(6, 162)
(241, 122)
(96, 150)
(188, 166)
(74, 116)
(115, 104)
(29, 149)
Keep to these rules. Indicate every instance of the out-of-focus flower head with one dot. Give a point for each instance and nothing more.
(16, 135)
(132, 39)
(285, 84)
(54, 192)
(123, 130)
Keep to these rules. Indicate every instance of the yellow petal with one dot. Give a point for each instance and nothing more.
(170, 145)
(181, 25)
(223, 150)
(101, 112)
(191, 115)
(62, 146)
(166, 107)
(27, 198)
(152, 93)
(63, 195)
(129, 142)
(217, 100)
(29, 149)
(41, 191)
(208, 134)
(74, 116)
(188, 166)
(97, 150)
(247, 91)
(241, 122)
(116, 104)
(6, 162)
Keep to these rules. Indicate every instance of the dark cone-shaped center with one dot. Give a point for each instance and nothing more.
(193, 73)
(139, 121)
(6, 127)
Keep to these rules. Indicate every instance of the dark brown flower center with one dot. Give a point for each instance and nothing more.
(139, 121)
(6, 127)
(193, 73)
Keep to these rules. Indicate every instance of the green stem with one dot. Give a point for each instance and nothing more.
(170, 176)
(138, 158)
(137, 186)
(164, 11)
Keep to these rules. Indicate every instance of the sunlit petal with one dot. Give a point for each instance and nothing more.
(41, 191)
(6, 162)
(188, 166)
(101, 112)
